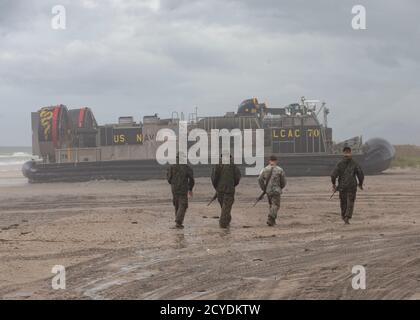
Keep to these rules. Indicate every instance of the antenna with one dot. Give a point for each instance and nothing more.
(175, 116)
(193, 117)
(326, 112)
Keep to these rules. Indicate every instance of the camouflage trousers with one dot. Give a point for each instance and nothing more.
(226, 201)
(274, 206)
(180, 202)
(347, 199)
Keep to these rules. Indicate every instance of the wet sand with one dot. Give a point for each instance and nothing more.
(116, 242)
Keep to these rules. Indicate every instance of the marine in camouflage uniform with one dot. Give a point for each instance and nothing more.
(346, 171)
(225, 177)
(181, 179)
(274, 178)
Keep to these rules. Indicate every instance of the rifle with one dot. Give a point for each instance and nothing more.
(265, 189)
(260, 198)
(333, 194)
(212, 199)
(215, 181)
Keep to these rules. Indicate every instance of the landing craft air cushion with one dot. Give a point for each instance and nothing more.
(71, 145)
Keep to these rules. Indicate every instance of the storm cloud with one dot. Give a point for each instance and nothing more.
(141, 57)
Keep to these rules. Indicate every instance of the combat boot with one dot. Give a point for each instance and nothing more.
(271, 222)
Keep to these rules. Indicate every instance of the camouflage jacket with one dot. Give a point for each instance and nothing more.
(277, 181)
(225, 177)
(346, 171)
(181, 178)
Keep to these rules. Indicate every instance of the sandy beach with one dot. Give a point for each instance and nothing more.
(115, 240)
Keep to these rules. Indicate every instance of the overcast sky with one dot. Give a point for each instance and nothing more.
(141, 57)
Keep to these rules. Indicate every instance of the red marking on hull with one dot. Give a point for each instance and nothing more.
(82, 114)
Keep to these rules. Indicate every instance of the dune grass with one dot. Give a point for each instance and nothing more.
(407, 156)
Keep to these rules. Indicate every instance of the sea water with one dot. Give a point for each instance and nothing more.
(11, 161)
